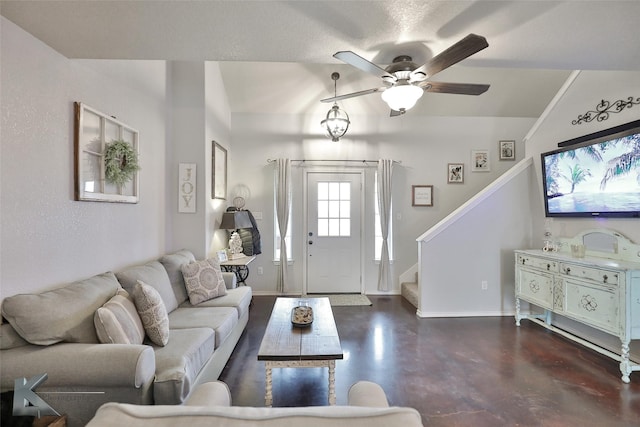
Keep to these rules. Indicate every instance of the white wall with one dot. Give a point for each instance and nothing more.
(475, 245)
(586, 91)
(47, 238)
(217, 128)
(423, 145)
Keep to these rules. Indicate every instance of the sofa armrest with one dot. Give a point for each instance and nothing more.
(72, 364)
(214, 393)
(230, 280)
(366, 393)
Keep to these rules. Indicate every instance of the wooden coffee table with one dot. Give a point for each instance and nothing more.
(288, 346)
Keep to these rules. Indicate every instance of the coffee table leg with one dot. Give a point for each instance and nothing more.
(332, 382)
(268, 397)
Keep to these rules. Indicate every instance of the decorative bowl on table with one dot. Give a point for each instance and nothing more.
(302, 316)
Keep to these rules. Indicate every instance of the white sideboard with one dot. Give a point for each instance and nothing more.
(601, 289)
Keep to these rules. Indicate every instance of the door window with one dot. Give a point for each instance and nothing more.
(334, 209)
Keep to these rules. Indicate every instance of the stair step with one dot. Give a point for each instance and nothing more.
(410, 292)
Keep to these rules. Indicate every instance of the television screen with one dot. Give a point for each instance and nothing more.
(595, 175)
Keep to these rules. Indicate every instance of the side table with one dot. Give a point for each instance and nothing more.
(239, 266)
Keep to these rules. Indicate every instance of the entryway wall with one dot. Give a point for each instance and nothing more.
(423, 145)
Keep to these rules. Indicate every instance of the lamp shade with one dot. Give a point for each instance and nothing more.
(402, 97)
(235, 220)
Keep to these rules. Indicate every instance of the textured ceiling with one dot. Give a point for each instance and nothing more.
(280, 53)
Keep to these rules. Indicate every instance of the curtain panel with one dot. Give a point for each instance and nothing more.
(385, 171)
(283, 201)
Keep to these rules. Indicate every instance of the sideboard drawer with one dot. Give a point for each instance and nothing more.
(540, 263)
(594, 306)
(536, 287)
(605, 277)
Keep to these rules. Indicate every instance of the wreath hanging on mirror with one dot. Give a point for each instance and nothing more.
(121, 162)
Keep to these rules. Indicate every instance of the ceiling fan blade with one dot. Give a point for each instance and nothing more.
(463, 49)
(353, 94)
(455, 88)
(362, 64)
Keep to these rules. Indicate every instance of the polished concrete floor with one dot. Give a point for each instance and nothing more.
(455, 371)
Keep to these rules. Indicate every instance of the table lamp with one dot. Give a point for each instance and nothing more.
(234, 221)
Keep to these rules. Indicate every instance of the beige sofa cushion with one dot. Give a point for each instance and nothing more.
(238, 298)
(153, 274)
(173, 264)
(203, 280)
(221, 319)
(9, 338)
(118, 322)
(179, 363)
(152, 313)
(63, 314)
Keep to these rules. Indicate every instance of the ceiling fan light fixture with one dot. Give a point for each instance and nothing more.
(402, 97)
(337, 121)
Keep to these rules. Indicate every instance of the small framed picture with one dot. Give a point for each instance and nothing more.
(480, 161)
(422, 195)
(507, 150)
(455, 173)
(222, 256)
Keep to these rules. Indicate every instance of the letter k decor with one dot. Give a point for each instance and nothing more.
(26, 401)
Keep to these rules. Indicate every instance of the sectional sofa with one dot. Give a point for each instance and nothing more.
(60, 333)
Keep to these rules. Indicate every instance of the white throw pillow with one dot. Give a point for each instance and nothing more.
(203, 280)
(153, 313)
(118, 322)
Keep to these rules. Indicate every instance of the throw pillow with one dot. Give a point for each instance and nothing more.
(153, 313)
(203, 280)
(63, 314)
(118, 322)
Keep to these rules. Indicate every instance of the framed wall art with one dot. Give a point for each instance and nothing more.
(106, 166)
(455, 173)
(480, 161)
(219, 171)
(187, 188)
(507, 150)
(422, 195)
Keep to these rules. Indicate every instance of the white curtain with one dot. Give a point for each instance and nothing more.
(283, 201)
(385, 169)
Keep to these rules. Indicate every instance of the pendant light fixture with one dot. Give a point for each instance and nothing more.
(337, 121)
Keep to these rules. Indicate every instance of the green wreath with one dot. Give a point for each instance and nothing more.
(121, 162)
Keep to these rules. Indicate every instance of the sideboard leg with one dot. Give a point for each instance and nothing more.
(625, 365)
(518, 311)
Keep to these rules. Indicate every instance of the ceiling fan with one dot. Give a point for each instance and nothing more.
(405, 82)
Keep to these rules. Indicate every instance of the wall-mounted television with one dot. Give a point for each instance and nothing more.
(596, 175)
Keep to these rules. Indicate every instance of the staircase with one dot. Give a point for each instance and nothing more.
(409, 291)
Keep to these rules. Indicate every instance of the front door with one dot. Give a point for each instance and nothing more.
(334, 206)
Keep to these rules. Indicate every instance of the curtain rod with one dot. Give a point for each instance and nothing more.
(332, 160)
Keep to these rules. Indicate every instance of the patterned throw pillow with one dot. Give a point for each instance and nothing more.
(118, 322)
(153, 313)
(204, 280)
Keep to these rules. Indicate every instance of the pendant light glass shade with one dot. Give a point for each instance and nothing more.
(337, 121)
(402, 97)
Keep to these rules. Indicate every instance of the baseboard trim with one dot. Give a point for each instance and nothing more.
(465, 314)
(297, 294)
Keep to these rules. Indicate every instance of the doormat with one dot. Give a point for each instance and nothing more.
(345, 299)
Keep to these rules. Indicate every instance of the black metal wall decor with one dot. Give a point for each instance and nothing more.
(604, 108)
